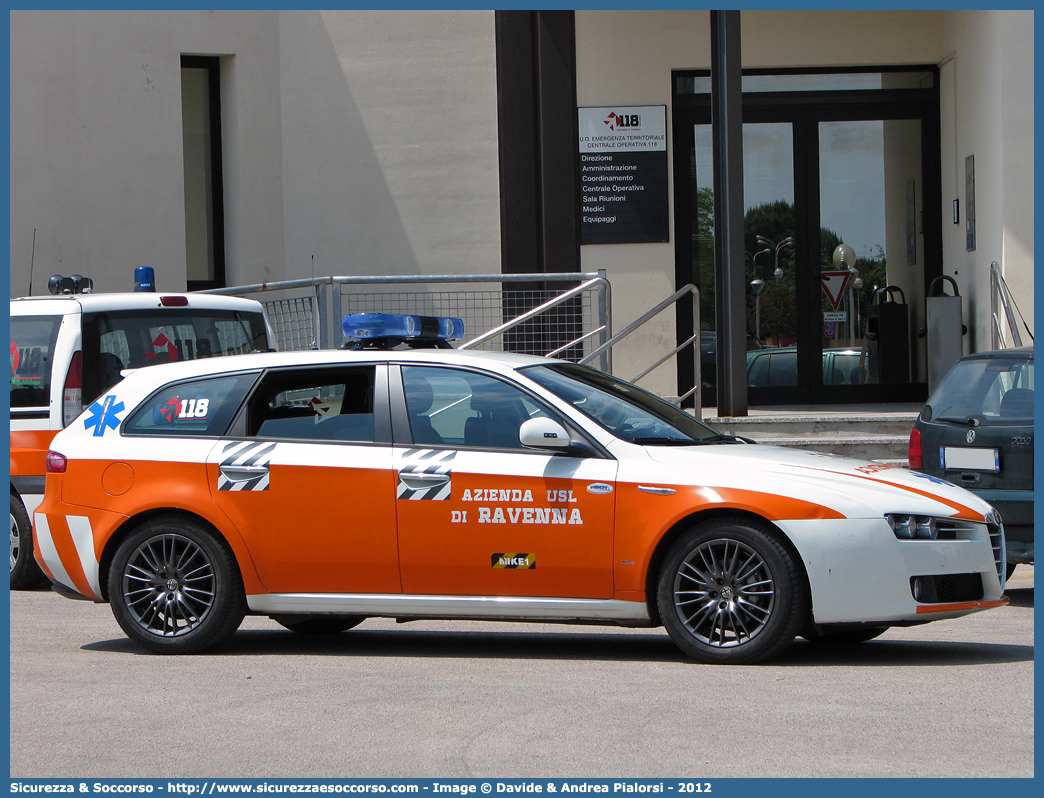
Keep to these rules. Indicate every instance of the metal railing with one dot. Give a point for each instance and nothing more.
(677, 296)
(574, 323)
(604, 330)
(539, 316)
(1001, 298)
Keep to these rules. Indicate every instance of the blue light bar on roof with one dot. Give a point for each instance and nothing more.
(365, 326)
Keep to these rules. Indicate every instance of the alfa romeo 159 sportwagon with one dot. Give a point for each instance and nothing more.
(324, 487)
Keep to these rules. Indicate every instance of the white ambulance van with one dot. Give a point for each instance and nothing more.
(68, 349)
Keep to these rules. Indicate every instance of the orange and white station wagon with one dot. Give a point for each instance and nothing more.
(324, 487)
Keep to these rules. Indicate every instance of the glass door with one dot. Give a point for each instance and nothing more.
(771, 244)
(839, 251)
(871, 255)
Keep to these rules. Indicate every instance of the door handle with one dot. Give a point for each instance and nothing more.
(423, 480)
(243, 473)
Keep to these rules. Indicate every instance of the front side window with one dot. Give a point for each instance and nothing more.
(315, 405)
(454, 407)
(197, 407)
(32, 347)
(627, 411)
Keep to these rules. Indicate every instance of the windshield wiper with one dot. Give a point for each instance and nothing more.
(964, 421)
(668, 441)
(664, 441)
(725, 439)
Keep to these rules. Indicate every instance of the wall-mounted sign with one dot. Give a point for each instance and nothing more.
(623, 175)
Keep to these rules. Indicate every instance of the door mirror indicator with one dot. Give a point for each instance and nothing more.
(543, 433)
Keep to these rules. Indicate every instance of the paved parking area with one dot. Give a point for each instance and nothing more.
(456, 699)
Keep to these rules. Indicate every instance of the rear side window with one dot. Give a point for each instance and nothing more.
(197, 407)
(993, 391)
(129, 339)
(759, 369)
(773, 369)
(315, 405)
(32, 347)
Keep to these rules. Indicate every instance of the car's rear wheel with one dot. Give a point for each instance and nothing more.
(25, 573)
(824, 634)
(318, 624)
(730, 593)
(175, 588)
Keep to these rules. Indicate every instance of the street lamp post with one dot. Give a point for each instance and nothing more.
(853, 295)
(758, 286)
(777, 247)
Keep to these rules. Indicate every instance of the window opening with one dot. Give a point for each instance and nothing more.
(201, 140)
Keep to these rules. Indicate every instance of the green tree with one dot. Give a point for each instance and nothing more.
(703, 254)
(773, 221)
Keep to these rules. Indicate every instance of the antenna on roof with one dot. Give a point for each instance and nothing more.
(32, 261)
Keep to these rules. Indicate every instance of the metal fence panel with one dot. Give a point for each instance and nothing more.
(295, 322)
(484, 310)
(307, 313)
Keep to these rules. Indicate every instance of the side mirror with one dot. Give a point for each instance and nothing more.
(543, 433)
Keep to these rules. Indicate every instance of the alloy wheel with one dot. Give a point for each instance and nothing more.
(169, 585)
(14, 542)
(724, 593)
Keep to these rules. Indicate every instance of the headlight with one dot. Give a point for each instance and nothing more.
(914, 527)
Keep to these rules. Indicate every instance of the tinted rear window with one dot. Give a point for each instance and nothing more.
(994, 391)
(132, 339)
(196, 407)
(32, 346)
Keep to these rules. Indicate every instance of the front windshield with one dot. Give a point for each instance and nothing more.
(627, 411)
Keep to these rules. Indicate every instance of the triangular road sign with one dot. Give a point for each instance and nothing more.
(835, 283)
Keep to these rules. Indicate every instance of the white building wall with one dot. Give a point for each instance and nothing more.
(358, 141)
(987, 111)
(96, 151)
(390, 124)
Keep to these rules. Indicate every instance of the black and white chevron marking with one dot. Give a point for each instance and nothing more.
(250, 453)
(426, 461)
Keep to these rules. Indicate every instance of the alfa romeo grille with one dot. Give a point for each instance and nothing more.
(996, 529)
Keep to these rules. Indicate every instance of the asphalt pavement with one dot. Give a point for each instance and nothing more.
(460, 699)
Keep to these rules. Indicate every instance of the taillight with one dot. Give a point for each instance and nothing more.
(56, 463)
(72, 395)
(915, 456)
(174, 301)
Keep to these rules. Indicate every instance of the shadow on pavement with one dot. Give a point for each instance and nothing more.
(1020, 597)
(593, 647)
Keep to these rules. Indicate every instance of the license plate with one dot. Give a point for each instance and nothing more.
(964, 458)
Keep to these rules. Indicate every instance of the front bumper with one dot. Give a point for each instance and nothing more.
(1016, 508)
(859, 572)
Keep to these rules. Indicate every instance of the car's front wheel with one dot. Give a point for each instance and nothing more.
(730, 593)
(318, 624)
(175, 588)
(25, 573)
